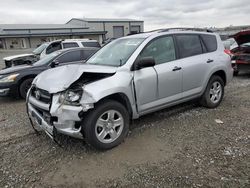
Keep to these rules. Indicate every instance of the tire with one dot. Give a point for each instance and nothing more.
(24, 87)
(208, 98)
(236, 73)
(101, 114)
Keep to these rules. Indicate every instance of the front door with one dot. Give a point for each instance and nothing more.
(165, 81)
(145, 82)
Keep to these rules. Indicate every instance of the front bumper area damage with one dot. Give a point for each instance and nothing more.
(4, 92)
(54, 117)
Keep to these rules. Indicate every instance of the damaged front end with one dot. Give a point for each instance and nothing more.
(62, 111)
(20, 60)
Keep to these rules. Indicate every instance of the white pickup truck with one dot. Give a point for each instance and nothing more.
(47, 48)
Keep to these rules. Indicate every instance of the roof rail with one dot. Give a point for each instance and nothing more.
(185, 29)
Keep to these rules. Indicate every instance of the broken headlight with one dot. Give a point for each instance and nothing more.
(71, 97)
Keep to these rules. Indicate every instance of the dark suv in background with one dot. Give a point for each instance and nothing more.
(15, 81)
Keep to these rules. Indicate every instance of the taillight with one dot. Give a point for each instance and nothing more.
(228, 52)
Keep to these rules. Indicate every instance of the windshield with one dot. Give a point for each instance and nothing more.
(116, 53)
(47, 59)
(40, 49)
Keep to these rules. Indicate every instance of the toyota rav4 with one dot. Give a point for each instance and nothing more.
(126, 79)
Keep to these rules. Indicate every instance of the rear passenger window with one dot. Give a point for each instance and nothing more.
(70, 45)
(91, 44)
(70, 57)
(210, 42)
(88, 53)
(161, 49)
(189, 45)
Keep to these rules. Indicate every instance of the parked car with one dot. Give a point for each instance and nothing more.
(15, 81)
(126, 79)
(48, 48)
(241, 52)
(22, 59)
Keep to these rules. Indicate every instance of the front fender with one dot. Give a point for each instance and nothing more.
(121, 82)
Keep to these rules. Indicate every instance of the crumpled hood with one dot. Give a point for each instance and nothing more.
(9, 58)
(241, 37)
(59, 79)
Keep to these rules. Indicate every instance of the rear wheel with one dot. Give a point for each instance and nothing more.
(107, 125)
(214, 93)
(236, 73)
(24, 87)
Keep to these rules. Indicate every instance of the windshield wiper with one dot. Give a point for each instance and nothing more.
(120, 63)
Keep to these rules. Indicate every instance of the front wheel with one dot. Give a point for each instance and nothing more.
(106, 125)
(24, 87)
(214, 93)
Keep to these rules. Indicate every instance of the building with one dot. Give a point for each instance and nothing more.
(18, 36)
(115, 28)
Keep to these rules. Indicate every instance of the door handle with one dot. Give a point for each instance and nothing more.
(176, 68)
(210, 61)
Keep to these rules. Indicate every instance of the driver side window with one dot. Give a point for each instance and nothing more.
(161, 49)
(53, 47)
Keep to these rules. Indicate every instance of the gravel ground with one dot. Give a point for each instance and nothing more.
(182, 146)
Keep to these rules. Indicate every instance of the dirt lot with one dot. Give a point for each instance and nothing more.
(178, 147)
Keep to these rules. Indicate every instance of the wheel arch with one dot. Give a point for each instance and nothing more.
(121, 98)
(23, 79)
(222, 74)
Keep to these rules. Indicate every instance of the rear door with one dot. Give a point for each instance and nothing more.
(193, 63)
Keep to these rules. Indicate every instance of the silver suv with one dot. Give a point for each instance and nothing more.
(128, 78)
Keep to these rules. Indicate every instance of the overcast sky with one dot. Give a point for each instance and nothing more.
(155, 13)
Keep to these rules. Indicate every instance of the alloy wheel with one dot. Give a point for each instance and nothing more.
(215, 92)
(109, 126)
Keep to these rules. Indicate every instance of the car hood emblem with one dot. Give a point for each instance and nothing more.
(37, 94)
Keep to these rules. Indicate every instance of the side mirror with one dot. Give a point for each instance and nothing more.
(54, 63)
(144, 62)
(29, 62)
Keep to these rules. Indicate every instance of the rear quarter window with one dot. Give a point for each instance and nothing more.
(70, 45)
(210, 42)
(91, 44)
(189, 45)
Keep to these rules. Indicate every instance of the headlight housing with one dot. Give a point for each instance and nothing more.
(7, 79)
(71, 97)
